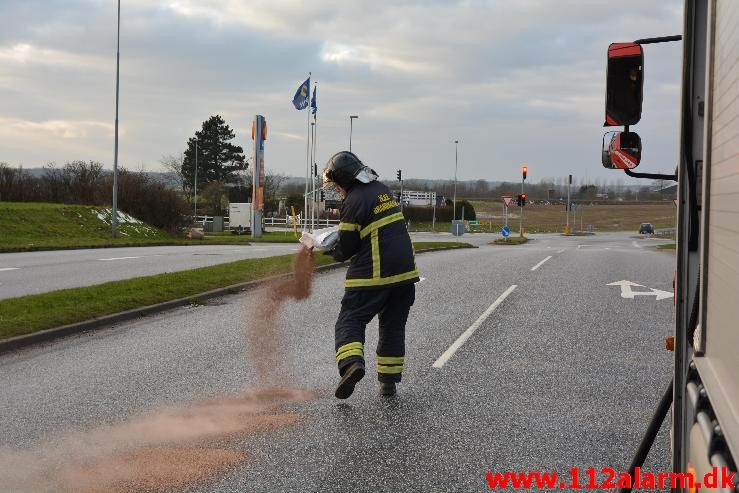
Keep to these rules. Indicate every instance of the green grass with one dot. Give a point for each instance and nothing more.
(31, 313)
(420, 246)
(668, 246)
(33, 225)
(512, 240)
(27, 314)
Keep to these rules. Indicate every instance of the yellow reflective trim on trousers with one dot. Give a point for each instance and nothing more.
(361, 283)
(398, 216)
(350, 349)
(375, 241)
(389, 369)
(390, 360)
(349, 227)
(351, 352)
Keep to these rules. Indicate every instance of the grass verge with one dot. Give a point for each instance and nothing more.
(512, 240)
(420, 246)
(32, 313)
(668, 246)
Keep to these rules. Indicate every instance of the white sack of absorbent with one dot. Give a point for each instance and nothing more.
(321, 239)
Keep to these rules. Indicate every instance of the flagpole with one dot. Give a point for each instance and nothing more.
(307, 161)
(313, 178)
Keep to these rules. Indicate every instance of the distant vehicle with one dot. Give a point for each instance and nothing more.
(646, 229)
(239, 217)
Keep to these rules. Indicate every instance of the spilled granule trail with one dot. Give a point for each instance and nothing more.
(264, 335)
(110, 458)
(165, 449)
(149, 469)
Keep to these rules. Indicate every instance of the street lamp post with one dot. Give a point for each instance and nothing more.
(351, 119)
(456, 160)
(195, 213)
(114, 217)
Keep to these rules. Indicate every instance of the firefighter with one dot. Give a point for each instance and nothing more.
(381, 276)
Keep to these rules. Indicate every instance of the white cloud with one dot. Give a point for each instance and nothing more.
(65, 129)
(25, 53)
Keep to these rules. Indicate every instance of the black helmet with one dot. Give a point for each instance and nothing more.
(342, 168)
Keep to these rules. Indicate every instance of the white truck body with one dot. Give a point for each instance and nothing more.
(705, 427)
(239, 216)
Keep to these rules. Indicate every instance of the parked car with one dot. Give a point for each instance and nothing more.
(646, 229)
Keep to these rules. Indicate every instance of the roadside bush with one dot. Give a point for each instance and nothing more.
(145, 199)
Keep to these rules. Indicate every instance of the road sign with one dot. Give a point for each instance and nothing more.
(506, 231)
(628, 293)
(507, 199)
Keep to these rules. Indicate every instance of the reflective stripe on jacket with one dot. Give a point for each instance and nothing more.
(372, 232)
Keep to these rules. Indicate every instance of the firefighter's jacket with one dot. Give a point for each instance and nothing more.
(373, 234)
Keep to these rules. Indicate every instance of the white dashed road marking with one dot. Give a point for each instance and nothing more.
(117, 258)
(471, 330)
(9, 268)
(540, 263)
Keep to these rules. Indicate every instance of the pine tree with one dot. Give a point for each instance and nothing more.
(218, 159)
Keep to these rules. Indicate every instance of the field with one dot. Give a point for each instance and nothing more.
(602, 217)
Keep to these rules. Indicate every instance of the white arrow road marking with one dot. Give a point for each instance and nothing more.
(471, 330)
(661, 295)
(117, 258)
(628, 293)
(540, 263)
(636, 244)
(9, 268)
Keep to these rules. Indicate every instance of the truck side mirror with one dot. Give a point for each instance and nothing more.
(624, 84)
(621, 150)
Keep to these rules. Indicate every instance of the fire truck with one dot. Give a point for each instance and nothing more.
(703, 398)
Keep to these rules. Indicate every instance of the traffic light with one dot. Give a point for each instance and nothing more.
(523, 199)
(323, 196)
(518, 200)
(315, 169)
(524, 170)
(400, 175)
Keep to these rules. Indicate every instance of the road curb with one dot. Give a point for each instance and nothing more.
(25, 340)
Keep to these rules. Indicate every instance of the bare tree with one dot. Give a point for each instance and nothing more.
(272, 184)
(173, 165)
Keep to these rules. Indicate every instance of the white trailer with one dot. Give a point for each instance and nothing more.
(239, 217)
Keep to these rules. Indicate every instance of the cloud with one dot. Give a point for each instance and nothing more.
(24, 53)
(64, 129)
(515, 80)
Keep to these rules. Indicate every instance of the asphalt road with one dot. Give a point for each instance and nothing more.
(38, 272)
(563, 373)
(25, 273)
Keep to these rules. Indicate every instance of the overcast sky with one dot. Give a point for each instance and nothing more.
(514, 80)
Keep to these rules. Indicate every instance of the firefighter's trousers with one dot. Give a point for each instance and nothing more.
(358, 307)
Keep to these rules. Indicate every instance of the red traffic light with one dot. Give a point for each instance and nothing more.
(523, 196)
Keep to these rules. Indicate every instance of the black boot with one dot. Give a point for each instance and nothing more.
(351, 376)
(387, 388)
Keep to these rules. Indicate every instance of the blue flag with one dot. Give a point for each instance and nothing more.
(302, 95)
(313, 104)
